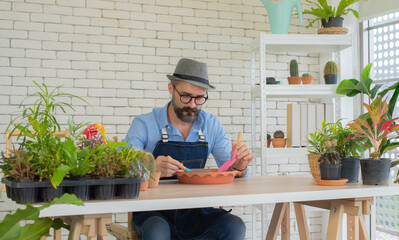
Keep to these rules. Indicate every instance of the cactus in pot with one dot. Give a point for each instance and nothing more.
(294, 73)
(307, 78)
(331, 72)
(279, 141)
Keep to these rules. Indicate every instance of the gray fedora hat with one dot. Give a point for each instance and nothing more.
(193, 72)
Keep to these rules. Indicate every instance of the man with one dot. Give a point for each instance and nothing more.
(178, 133)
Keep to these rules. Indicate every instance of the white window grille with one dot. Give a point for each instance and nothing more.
(382, 48)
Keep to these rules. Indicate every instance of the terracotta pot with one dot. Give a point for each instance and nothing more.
(294, 80)
(144, 186)
(153, 183)
(269, 141)
(307, 80)
(279, 142)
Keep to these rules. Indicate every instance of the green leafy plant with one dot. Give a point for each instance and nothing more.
(269, 136)
(294, 72)
(330, 131)
(10, 227)
(331, 157)
(352, 87)
(306, 75)
(379, 132)
(38, 124)
(322, 10)
(18, 165)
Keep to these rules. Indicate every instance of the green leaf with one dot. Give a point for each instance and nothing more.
(366, 71)
(59, 175)
(364, 86)
(10, 227)
(64, 199)
(347, 86)
(36, 230)
(374, 90)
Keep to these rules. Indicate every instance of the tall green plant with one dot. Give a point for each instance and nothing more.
(38, 123)
(352, 87)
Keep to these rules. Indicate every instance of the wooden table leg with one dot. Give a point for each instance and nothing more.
(352, 231)
(301, 221)
(285, 224)
(76, 228)
(277, 218)
(363, 235)
(102, 228)
(335, 221)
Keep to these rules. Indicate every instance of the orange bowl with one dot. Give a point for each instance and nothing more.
(213, 177)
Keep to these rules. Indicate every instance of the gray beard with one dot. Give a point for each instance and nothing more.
(192, 113)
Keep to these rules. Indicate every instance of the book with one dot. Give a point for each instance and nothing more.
(304, 123)
(329, 113)
(311, 118)
(293, 125)
(319, 115)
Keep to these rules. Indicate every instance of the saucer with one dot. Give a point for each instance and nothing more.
(339, 182)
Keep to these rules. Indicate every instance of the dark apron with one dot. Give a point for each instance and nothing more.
(184, 223)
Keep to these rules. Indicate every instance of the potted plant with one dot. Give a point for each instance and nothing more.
(380, 133)
(331, 17)
(294, 73)
(307, 78)
(366, 86)
(316, 147)
(331, 71)
(279, 141)
(330, 162)
(269, 140)
(41, 148)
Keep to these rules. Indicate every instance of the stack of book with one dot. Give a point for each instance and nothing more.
(305, 118)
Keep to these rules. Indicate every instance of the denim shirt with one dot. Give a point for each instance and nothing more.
(145, 132)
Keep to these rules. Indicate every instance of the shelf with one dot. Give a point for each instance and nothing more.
(303, 42)
(282, 152)
(297, 91)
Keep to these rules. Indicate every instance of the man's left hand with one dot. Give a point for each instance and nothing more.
(244, 155)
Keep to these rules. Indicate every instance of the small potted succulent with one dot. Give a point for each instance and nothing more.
(330, 162)
(278, 140)
(269, 140)
(307, 78)
(294, 73)
(331, 72)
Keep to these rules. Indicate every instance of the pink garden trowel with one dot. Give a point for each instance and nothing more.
(230, 162)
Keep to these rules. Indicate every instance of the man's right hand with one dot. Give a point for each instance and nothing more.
(167, 166)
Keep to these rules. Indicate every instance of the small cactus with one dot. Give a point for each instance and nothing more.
(278, 134)
(331, 68)
(331, 157)
(306, 75)
(294, 72)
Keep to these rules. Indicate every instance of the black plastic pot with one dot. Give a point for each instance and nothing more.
(25, 195)
(331, 78)
(330, 172)
(105, 191)
(350, 169)
(332, 22)
(81, 192)
(49, 193)
(129, 190)
(375, 172)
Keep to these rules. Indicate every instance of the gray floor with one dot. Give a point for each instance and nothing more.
(385, 236)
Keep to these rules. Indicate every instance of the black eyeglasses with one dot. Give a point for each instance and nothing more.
(199, 100)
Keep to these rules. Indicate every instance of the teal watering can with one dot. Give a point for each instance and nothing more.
(280, 14)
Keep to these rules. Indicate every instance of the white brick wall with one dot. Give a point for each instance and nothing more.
(116, 54)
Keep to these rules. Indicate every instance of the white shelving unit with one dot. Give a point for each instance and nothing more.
(327, 46)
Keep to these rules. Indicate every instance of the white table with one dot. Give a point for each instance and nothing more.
(253, 190)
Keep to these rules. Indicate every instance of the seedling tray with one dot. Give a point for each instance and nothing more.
(85, 189)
